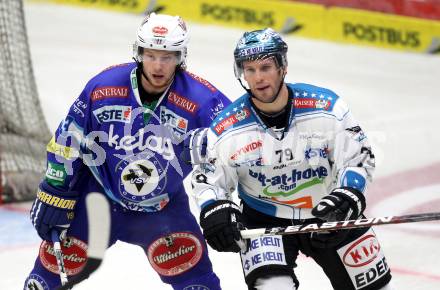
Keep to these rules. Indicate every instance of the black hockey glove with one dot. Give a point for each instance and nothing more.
(344, 203)
(341, 204)
(221, 224)
(53, 209)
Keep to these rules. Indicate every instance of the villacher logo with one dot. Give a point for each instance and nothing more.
(74, 255)
(174, 254)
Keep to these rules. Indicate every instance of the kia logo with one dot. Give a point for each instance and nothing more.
(362, 252)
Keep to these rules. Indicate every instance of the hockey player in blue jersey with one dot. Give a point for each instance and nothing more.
(122, 137)
(295, 155)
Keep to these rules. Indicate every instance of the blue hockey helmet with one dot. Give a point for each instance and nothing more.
(259, 44)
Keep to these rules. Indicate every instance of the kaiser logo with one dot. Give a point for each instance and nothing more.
(175, 253)
(74, 255)
(228, 122)
(160, 31)
(309, 103)
(362, 252)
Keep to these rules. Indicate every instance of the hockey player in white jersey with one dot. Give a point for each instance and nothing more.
(295, 155)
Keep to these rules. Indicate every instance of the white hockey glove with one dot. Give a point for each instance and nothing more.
(195, 147)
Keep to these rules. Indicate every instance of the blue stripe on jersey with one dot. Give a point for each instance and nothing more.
(255, 203)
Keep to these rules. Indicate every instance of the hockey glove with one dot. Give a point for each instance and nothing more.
(53, 209)
(221, 224)
(341, 204)
(194, 147)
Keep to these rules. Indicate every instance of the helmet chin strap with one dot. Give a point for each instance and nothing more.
(275, 96)
(140, 66)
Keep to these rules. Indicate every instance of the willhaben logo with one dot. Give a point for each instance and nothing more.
(309, 103)
(109, 92)
(203, 82)
(182, 102)
(247, 148)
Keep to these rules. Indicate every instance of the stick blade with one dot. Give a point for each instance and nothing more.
(98, 212)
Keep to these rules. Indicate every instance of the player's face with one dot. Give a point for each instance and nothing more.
(263, 78)
(159, 66)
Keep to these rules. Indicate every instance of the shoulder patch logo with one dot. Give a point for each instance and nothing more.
(231, 120)
(109, 92)
(309, 103)
(182, 102)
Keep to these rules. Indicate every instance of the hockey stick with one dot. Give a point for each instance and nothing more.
(98, 212)
(59, 256)
(340, 225)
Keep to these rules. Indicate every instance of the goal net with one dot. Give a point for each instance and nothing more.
(23, 129)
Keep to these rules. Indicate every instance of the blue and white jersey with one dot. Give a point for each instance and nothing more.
(132, 150)
(285, 173)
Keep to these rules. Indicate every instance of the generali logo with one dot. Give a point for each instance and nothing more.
(109, 92)
(182, 102)
(362, 252)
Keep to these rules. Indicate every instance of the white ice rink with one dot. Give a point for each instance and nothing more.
(395, 96)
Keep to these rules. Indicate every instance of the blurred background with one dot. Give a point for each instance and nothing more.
(382, 57)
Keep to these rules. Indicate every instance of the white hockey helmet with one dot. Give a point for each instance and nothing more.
(162, 32)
